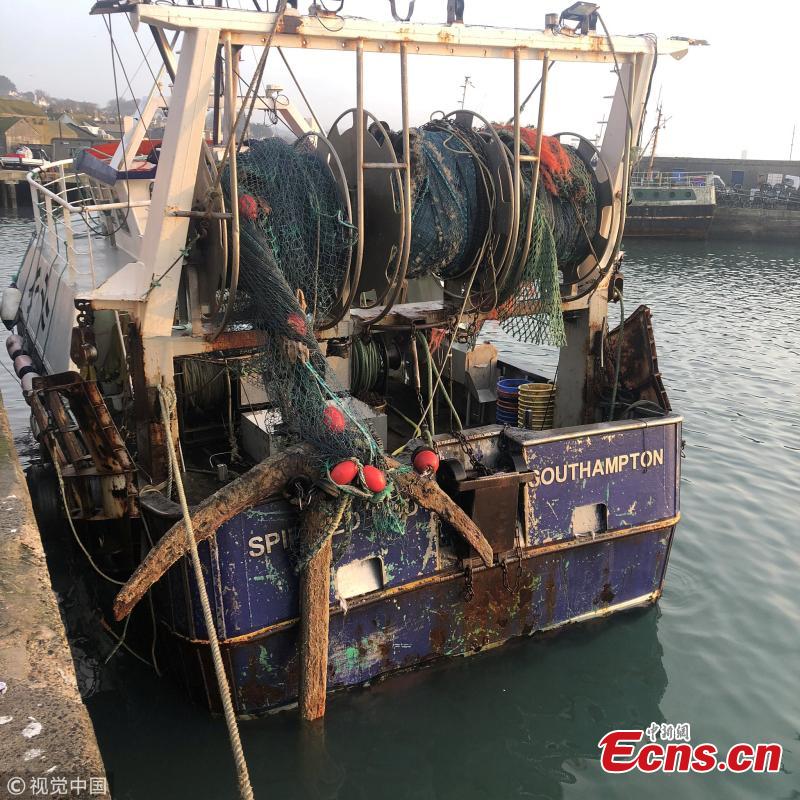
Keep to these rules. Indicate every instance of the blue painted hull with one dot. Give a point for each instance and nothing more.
(434, 600)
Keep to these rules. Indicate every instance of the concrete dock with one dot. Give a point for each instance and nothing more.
(45, 729)
(11, 183)
(771, 225)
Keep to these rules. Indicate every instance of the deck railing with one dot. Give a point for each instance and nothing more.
(70, 210)
(672, 180)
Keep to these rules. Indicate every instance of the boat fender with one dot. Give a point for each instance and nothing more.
(23, 364)
(27, 383)
(333, 418)
(296, 322)
(425, 459)
(14, 345)
(374, 479)
(9, 306)
(344, 473)
(248, 207)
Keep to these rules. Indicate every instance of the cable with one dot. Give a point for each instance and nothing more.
(152, 607)
(617, 70)
(439, 382)
(617, 294)
(467, 291)
(75, 533)
(300, 89)
(6, 368)
(366, 366)
(431, 387)
(653, 39)
(124, 644)
(145, 61)
(532, 92)
(120, 641)
(124, 219)
(628, 143)
(280, 10)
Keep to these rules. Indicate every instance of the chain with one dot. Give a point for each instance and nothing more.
(88, 351)
(85, 315)
(468, 335)
(504, 570)
(423, 420)
(469, 451)
(469, 591)
(301, 494)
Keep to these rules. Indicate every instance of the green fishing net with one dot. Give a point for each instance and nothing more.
(295, 254)
(564, 222)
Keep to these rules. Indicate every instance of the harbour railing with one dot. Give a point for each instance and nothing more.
(71, 210)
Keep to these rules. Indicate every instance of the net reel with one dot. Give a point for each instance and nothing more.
(378, 271)
(504, 217)
(579, 278)
(469, 229)
(224, 296)
(329, 156)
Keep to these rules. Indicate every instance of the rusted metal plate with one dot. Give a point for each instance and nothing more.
(430, 604)
(630, 474)
(76, 427)
(492, 502)
(441, 618)
(250, 575)
(639, 376)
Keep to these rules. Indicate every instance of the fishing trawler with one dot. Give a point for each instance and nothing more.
(671, 205)
(254, 371)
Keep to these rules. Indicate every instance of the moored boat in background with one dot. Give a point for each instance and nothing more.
(675, 205)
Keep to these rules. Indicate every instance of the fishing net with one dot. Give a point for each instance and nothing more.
(564, 222)
(295, 248)
(288, 194)
(296, 245)
(450, 207)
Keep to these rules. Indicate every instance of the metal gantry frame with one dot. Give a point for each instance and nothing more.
(401, 168)
(361, 36)
(148, 287)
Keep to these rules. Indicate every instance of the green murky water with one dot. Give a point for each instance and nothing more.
(721, 651)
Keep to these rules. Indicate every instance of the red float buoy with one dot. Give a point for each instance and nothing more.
(344, 472)
(297, 323)
(333, 418)
(425, 460)
(374, 478)
(248, 207)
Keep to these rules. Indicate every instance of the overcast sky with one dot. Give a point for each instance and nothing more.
(737, 95)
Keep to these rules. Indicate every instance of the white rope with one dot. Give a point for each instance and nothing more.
(167, 400)
(75, 533)
(120, 639)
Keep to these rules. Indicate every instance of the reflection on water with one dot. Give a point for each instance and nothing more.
(719, 652)
(517, 722)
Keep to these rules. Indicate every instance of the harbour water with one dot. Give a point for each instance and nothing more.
(720, 651)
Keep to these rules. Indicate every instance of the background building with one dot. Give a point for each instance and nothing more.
(750, 173)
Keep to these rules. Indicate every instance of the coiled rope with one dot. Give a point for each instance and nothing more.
(167, 400)
(366, 366)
